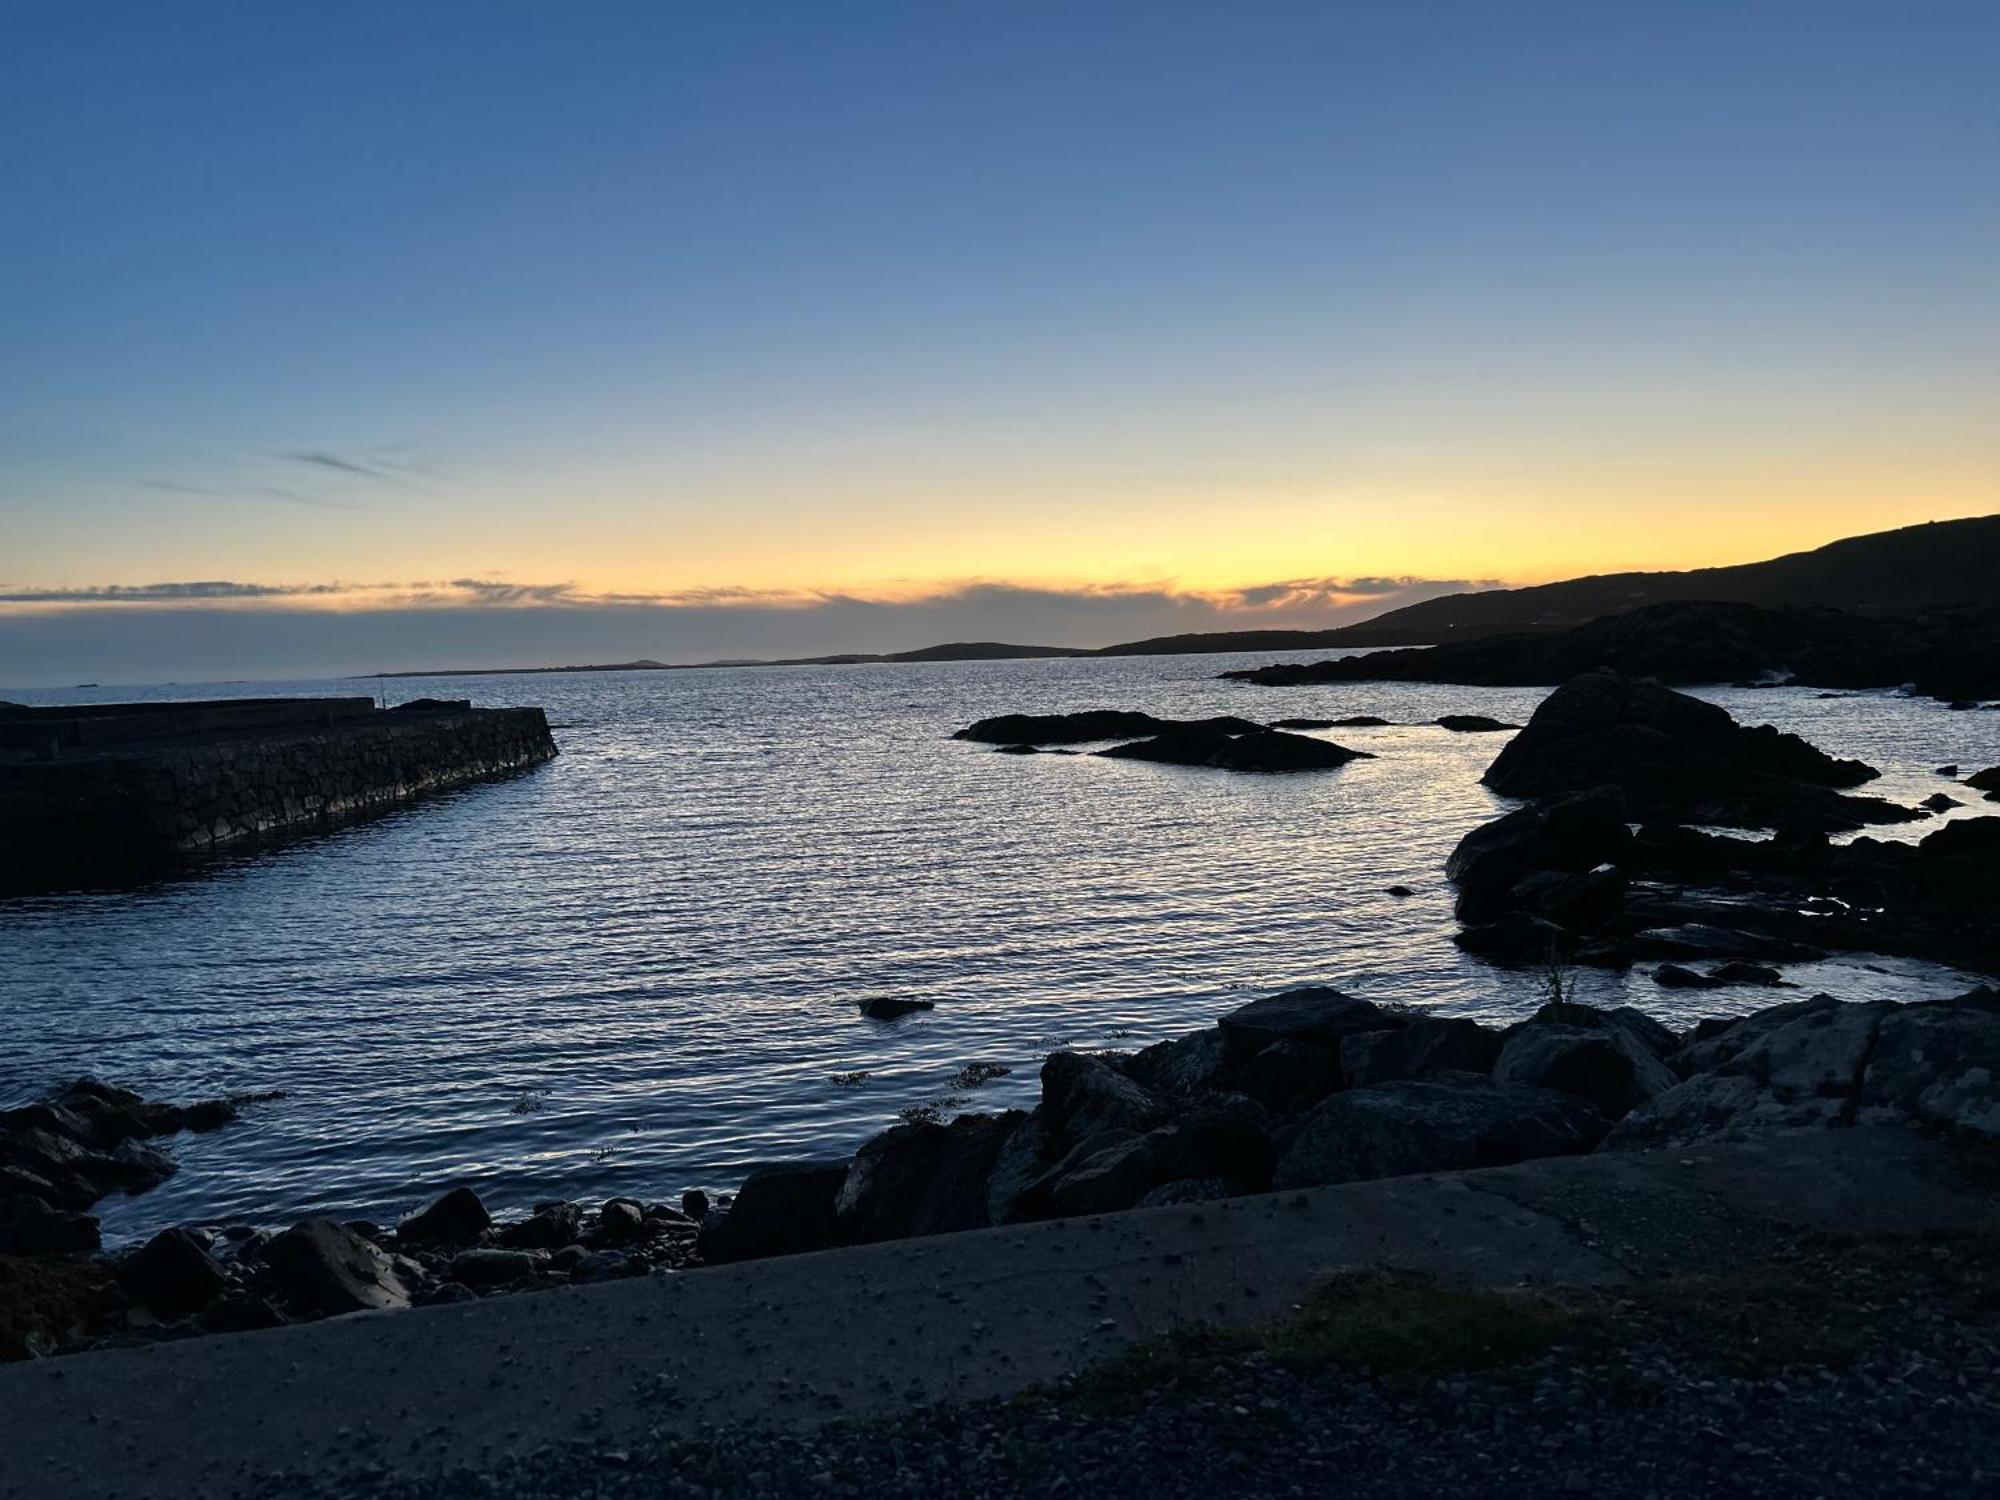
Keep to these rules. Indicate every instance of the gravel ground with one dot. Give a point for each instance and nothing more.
(1829, 1378)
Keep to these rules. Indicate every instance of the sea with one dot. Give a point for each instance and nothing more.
(637, 969)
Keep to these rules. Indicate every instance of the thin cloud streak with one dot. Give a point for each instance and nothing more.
(320, 459)
(252, 492)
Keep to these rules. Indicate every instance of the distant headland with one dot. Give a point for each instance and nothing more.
(1912, 569)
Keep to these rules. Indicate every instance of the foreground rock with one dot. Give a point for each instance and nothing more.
(1315, 1086)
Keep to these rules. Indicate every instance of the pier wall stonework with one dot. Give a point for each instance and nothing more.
(116, 815)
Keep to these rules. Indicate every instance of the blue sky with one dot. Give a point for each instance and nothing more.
(647, 306)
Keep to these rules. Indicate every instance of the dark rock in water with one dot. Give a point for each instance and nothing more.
(482, 1269)
(1183, 1067)
(173, 1274)
(1302, 723)
(1361, 721)
(1603, 1066)
(1016, 750)
(694, 1203)
(1228, 750)
(1738, 972)
(454, 1217)
(29, 1226)
(1313, 1014)
(923, 1178)
(1678, 756)
(1584, 903)
(325, 1268)
(1425, 1048)
(1086, 1096)
(1987, 781)
(1185, 1190)
(888, 1007)
(550, 1227)
(1574, 834)
(1472, 724)
(1079, 728)
(1399, 891)
(1288, 1077)
(782, 1209)
(1951, 770)
(619, 1221)
(1397, 1129)
(1939, 802)
(1674, 977)
(1518, 938)
(1703, 940)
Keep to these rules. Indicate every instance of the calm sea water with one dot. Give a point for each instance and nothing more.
(635, 970)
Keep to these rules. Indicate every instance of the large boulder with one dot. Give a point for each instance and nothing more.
(1678, 756)
(1183, 1068)
(454, 1217)
(1939, 1065)
(1228, 749)
(1603, 1066)
(1317, 1013)
(1115, 1173)
(781, 1209)
(923, 1178)
(1573, 834)
(1397, 1129)
(30, 1226)
(173, 1274)
(1288, 1077)
(1086, 1096)
(1425, 1048)
(322, 1267)
(1800, 1070)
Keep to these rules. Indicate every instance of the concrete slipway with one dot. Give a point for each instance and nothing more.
(875, 1329)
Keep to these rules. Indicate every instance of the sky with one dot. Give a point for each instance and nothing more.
(358, 337)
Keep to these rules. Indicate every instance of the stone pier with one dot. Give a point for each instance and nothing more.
(105, 794)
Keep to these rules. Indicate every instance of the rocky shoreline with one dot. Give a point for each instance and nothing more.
(1611, 860)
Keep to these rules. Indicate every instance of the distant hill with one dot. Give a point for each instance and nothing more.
(1886, 572)
(1906, 572)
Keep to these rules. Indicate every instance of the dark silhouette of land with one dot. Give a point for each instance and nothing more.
(1916, 570)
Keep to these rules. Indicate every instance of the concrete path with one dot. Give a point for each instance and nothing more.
(878, 1328)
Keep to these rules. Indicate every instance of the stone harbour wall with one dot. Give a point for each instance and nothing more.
(119, 815)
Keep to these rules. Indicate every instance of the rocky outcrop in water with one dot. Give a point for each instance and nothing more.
(1231, 750)
(1565, 879)
(1224, 744)
(1091, 724)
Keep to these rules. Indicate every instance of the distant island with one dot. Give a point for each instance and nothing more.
(1889, 573)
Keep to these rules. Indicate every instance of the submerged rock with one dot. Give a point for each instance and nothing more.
(889, 1007)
